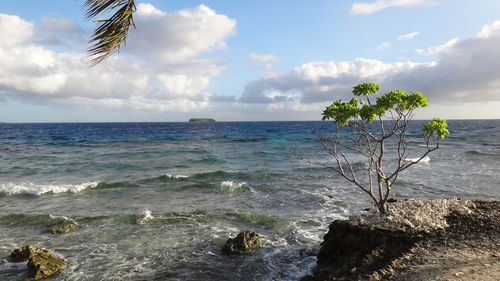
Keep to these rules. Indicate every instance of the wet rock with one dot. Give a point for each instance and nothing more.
(244, 241)
(64, 228)
(42, 263)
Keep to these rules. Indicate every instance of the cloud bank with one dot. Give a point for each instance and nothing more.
(465, 71)
(157, 70)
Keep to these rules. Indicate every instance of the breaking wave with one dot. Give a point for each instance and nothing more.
(40, 189)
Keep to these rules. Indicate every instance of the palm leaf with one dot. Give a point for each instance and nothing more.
(111, 33)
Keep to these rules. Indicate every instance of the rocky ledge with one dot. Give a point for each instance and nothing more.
(463, 246)
(42, 263)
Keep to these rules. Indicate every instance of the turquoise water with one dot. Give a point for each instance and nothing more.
(156, 201)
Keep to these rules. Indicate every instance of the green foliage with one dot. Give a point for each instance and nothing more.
(438, 126)
(342, 112)
(366, 89)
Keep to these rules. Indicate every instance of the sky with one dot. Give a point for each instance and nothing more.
(248, 60)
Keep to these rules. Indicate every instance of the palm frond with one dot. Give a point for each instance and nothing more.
(111, 33)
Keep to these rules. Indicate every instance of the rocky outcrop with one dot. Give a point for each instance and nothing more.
(242, 242)
(64, 228)
(351, 252)
(42, 263)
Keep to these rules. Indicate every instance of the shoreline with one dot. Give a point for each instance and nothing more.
(465, 250)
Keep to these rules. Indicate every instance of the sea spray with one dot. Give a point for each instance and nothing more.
(147, 216)
(176, 177)
(231, 186)
(426, 159)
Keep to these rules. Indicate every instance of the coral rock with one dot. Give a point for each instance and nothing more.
(63, 228)
(244, 241)
(42, 263)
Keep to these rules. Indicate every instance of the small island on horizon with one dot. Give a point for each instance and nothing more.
(201, 120)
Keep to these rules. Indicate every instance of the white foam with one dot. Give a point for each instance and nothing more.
(177, 177)
(426, 159)
(39, 189)
(64, 218)
(231, 185)
(147, 216)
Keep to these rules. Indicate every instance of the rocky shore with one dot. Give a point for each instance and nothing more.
(464, 245)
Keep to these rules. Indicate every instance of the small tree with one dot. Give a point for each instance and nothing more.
(357, 133)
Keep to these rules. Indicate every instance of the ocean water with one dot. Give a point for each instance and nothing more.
(156, 201)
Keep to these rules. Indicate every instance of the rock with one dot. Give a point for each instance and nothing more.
(42, 263)
(244, 241)
(63, 228)
(352, 251)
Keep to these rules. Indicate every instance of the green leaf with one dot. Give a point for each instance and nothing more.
(438, 126)
(342, 112)
(368, 113)
(366, 89)
(111, 33)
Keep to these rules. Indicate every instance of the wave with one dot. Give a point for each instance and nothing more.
(148, 216)
(231, 186)
(426, 159)
(44, 222)
(40, 189)
(212, 176)
(166, 178)
(34, 220)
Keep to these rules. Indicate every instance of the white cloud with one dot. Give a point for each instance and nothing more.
(408, 36)
(321, 81)
(465, 71)
(157, 70)
(384, 45)
(440, 49)
(490, 30)
(14, 30)
(175, 37)
(377, 6)
(263, 60)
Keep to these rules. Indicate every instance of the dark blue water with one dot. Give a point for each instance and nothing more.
(202, 183)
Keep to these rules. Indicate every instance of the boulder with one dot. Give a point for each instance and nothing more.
(63, 228)
(42, 263)
(244, 241)
(353, 252)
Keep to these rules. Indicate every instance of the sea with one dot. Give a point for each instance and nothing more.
(157, 201)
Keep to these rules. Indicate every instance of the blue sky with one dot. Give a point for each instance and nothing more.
(252, 60)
